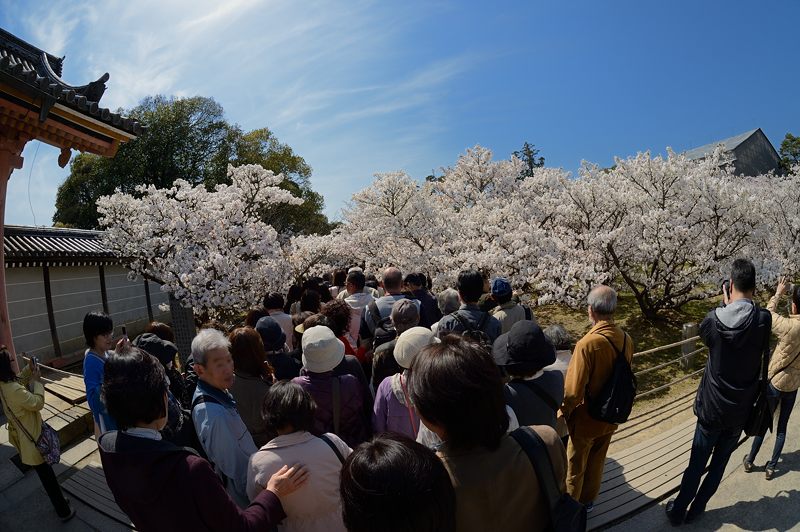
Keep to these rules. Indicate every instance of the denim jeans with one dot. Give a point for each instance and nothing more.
(786, 402)
(715, 444)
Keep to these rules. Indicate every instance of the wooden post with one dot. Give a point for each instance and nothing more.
(12, 143)
(103, 292)
(51, 318)
(689, 331)
(147, 299)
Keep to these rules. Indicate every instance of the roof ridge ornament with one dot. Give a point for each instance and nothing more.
(93, 91)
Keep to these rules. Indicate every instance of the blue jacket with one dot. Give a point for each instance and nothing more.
(224, 438)
(93, 367)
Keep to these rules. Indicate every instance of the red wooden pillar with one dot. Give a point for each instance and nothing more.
(12, 143)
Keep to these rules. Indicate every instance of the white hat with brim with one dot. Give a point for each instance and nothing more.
(322, 351)
(410, 343)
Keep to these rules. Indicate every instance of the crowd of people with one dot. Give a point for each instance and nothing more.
(359, 405)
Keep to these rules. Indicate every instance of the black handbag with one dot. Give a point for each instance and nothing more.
(760, 418)
(566, 514)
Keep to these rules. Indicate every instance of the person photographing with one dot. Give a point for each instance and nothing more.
(783, 374)
(736, 335)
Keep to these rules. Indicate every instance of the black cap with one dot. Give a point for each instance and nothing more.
(163, 350)
(271, 333)
(523, 349)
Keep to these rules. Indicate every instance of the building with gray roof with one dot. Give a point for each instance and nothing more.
(751, 153)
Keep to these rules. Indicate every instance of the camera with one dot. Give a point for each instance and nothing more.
(726, 288)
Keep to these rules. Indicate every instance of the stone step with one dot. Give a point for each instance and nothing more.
(71, 422)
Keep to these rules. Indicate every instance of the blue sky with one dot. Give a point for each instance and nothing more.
(359, 87)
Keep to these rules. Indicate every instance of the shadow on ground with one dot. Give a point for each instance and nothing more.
(767, 513)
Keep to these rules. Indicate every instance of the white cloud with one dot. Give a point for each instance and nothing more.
(331, 79)
(52, 30)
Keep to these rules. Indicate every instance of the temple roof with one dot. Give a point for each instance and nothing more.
(37, 72)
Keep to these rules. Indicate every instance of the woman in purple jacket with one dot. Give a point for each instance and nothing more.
(159, 485)
(339, 398)
(393, 410)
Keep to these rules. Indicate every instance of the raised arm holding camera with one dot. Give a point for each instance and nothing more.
(783, 373)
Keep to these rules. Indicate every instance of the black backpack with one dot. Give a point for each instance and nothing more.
(186, 436)
(384, 328)
(475, 333)
(614, 402)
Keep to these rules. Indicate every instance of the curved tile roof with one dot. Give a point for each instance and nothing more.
(28, 246)
(40, 72)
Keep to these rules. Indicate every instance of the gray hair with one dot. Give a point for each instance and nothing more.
(603, 300)
(448, 300)
(208, 340)
(558, 336)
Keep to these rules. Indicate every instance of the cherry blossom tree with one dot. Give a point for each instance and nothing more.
(666, 227)
(395, 221)
(209, 249)
(481, 214)
(507, 223)
(778, 200)
(310, 255)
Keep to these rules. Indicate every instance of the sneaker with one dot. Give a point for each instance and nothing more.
(769, 472)
(748, 465)
(675, 518)
(589, 506)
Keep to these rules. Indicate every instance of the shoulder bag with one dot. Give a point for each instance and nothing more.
(760, 418)
(48, 443)
(566, 514)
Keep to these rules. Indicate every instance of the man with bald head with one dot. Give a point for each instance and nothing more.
(378, 313)
(589, 369)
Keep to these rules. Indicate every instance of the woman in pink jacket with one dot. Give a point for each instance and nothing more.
(316, 506)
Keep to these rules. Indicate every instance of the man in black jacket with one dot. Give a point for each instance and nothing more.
(736, 335)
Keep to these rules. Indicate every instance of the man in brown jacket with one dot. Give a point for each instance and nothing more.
(589, 369)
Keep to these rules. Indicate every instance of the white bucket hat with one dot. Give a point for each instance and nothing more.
(322, 351)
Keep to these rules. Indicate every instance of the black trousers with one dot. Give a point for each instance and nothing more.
(51, 486)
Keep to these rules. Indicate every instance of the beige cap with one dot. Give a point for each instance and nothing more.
(412, 342)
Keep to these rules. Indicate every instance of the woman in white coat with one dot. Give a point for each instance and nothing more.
(289, 411)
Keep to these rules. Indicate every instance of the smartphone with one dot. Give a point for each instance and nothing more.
(34, 362)
(726, 288)
(124, 332)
